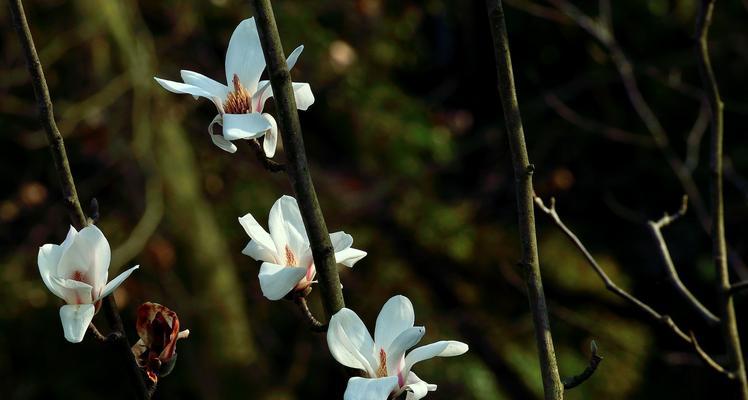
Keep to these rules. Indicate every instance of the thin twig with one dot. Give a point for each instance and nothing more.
(576, 380)
(95, 332)
(62, 165)
(297, 166)
(553, 389)
(314, 324)
(663, 319)
(705, 357)
(719, 242)
(655, 228)
(738, 287)
(269, 164)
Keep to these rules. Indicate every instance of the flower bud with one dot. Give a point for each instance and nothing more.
(158, 328)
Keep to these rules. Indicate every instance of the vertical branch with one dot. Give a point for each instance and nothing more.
(719, 244)
(297, 167)
(523, 170)
(67, 183)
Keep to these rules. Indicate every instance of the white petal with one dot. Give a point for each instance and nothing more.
(302, 93)
(183, 88)
(263, 242)
(74, 292)
(271, 137)
(404, 341)
(114, 283)
(244, 126)
(49, 256)
(444, 348)
(287, 228)
(348, 257)
(276, 281)
(350, 342)
(219, 140)
(340, 241)
(75, 320)
(244, 56)
(294, 56)
(216, 89)
(89, 256)
(396, 316)
(417, 388)
(370, 389)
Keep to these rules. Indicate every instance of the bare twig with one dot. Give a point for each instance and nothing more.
(314, 324)
(719, 243)
(553, 389)
(269, 164)
(738, 287)
(62, 165)
(95, 333)
(655, 228)
(663, 319)
(297, 165)
(576, 380)
(708, 360)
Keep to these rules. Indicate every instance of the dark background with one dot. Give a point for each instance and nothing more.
(409, 155)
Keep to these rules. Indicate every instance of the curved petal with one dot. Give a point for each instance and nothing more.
(341, 241)
(294, 56)
(271, 137)
(404, 341)
(74, 292)
(444, 348)
(396, 316)
(183, 88)
(370, 389)
(258, 235)
(417, 388)
(219, 140)
(114, 283)
(276, 281)
(350, 342)
(301, 90)
(216, 89)
(348, 257)
(87, 258)
(244, 126)
(49, 256)
(287, 229)
(244, 56)
(75, 320)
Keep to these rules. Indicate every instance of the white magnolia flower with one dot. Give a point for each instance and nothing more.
(240, 104)
(77, 271)
(285, 251)
(387, 370)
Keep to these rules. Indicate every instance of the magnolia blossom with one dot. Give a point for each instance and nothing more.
(241, 101)
(387, 370)
(158, 328)
(285, 251)
(77, 271)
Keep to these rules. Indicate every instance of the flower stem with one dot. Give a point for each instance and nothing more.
(297, 167)
(553, 388)
(67, 183)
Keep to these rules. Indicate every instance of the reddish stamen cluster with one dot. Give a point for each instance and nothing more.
(290, 257)
(382, 370)
(239, 101)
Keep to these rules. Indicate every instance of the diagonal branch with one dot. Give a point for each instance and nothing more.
(655, 228)
(576, 380)
(70, 194)
(663, 319)
(297, 167)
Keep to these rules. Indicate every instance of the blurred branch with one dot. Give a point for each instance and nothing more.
(738, 287)
(553, 389)
(576, 380)
(663, 319)
(719, 242)
(655, 227)
(314, 324)
(695, 135)
(269, 164)
(298, 167)
(70, 195)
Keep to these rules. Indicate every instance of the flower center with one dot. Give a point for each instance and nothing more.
(382, 370)
(290, 257)
(239, 101)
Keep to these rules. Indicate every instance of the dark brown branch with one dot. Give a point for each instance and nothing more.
(576, 380)
(269, 164)
(663, 319)
(553, 389)
(62, 165)
(314, 324)
(655, 228)
(719, 242)
(297, 167)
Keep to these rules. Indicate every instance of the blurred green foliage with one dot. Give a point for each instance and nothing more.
(408, 155)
